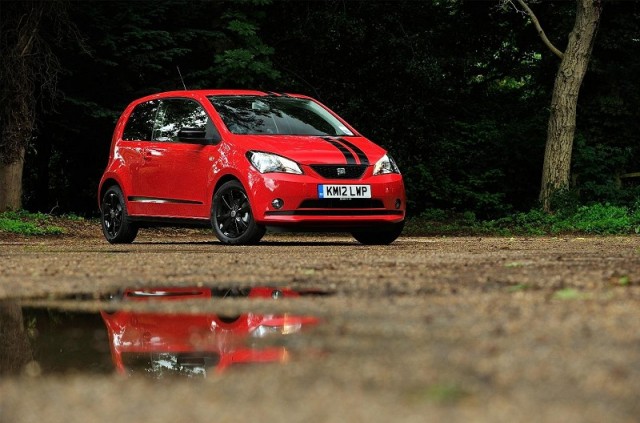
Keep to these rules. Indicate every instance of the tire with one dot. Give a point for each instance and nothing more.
(116, 225)
(384, 235)
(231, 216)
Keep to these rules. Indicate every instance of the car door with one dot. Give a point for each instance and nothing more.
(136, 136)
(173, 179)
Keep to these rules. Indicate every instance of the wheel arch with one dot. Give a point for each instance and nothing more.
(227, 178)
(223, 180)
(104, 186)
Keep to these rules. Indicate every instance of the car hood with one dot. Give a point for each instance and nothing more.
(315, 150)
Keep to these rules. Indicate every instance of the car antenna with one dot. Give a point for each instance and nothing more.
(181, 79)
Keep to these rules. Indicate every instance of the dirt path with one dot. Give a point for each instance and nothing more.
(428, 329)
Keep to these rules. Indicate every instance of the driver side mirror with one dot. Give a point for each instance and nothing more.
(197, 136)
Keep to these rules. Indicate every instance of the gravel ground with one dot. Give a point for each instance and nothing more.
(427, 329)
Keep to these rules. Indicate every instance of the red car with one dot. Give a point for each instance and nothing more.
(245, 161)
(163, 344)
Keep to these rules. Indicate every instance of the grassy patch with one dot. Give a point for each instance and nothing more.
(444, 394)
(24, 223)
(568, 294)
(624, 281)
(597, 219)
(518, 288)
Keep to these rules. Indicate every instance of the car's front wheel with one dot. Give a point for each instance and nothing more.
(231, 216)
(116, 226)
(379, 235)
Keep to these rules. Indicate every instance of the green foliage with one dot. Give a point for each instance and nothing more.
(433, 214)
(624, 281)
(600, 219)
(464, 117)
(568, 294)
(609, 114)
(519, 287)
(593, 219)
(25, 223)
(596, 169)
(565, 201)
(446, 393)
(247, 59)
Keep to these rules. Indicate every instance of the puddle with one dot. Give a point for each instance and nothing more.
(128, 336)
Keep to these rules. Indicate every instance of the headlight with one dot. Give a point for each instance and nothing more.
(385, 165)
(266, 163)
(264, 331)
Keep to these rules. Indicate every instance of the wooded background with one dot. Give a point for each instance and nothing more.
(458, 91)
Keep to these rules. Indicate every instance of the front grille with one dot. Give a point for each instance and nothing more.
(329, 203)
(340, 171)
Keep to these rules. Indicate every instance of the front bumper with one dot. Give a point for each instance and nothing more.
(302, 207)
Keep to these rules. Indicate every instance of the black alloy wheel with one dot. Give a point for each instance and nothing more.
(231, 216)
(116, 226)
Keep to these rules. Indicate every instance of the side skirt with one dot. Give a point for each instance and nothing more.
(155, 222)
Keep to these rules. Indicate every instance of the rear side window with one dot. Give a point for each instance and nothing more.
(140, 123)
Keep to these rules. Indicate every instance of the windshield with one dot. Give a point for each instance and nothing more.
(255, 115)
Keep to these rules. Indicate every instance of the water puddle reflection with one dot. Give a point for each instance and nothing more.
(133, 340)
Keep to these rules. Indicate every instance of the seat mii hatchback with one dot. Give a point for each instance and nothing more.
(245, 161)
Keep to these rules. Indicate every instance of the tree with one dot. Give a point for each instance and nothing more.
(28, 68)
(562, 120)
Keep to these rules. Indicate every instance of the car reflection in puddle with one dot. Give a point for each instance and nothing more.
(162, 344)
(159, 343)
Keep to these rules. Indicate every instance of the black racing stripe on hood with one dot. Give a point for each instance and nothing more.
(361, 155)
(348, 155)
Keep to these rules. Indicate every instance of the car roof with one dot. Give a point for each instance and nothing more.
(220, 92)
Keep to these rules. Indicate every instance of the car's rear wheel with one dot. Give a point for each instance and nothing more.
(116, 225)
(379, 235)
(231, 216)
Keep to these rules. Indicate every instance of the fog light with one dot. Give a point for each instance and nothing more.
(398, 203)
(277, 203)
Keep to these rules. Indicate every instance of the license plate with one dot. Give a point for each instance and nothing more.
(344, 191)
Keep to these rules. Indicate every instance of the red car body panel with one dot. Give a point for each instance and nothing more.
(178, 180)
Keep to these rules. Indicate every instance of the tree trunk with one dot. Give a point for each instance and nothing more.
(562, 121)
(27, 67)
(11, 184)
(42, 158)
(15, 349)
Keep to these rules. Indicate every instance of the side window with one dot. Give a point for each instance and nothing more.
(177, 114)
(140, 123)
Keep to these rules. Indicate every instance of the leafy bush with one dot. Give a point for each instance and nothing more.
(434, 214)
(598, 219)
(592, 219)
(25, 223)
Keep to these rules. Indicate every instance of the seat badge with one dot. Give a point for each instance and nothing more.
(341, 171)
